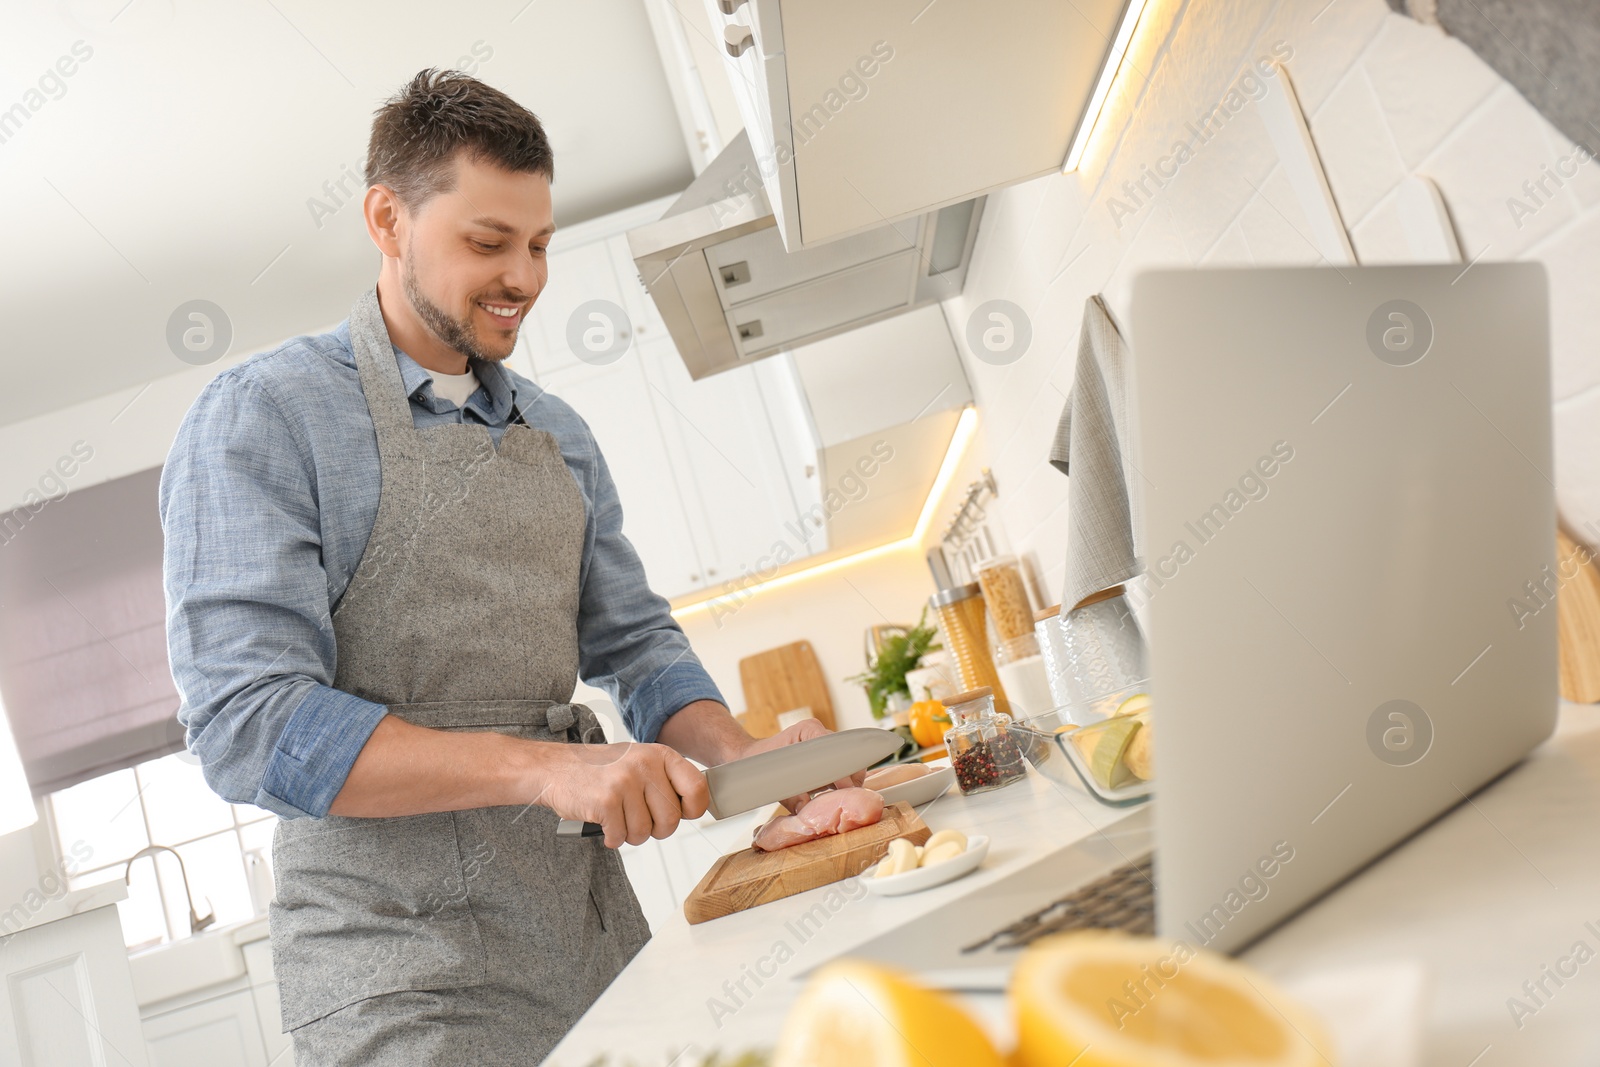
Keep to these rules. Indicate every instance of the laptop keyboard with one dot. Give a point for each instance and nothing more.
(1124, 899)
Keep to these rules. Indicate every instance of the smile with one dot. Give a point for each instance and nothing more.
(502, 311)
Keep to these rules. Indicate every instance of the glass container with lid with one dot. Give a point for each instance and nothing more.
(1006, 595)
(962, 621)
(983, 752)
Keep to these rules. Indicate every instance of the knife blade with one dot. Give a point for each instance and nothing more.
(742, 785)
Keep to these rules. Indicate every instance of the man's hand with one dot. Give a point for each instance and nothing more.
(804, 730)
(634, 791)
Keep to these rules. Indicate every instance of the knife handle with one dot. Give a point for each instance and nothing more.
(574, 828)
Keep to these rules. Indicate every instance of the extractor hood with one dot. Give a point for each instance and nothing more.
(729, 292)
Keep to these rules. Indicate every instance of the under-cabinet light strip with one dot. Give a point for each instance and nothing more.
(966, 426)
(1102, 89)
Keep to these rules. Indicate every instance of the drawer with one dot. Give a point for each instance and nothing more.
(756, 265)
(836, 302)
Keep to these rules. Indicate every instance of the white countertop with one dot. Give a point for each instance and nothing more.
(75, 902)
(1477, 904)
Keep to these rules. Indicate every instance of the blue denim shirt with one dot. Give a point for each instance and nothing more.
(267, 500)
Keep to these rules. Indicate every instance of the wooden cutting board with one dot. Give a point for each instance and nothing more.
(781, 679)
(747, 878)
(1578, 618)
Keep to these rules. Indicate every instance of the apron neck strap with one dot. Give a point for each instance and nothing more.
(380, 372)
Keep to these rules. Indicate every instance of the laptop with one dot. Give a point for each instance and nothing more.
(1348, 529)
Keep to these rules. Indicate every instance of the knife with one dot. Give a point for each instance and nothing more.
(743, 785)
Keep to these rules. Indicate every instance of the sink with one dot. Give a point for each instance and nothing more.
(204, 959)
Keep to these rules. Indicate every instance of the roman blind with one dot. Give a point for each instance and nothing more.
(83, 651)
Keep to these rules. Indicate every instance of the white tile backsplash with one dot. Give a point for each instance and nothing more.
(1358, 152)
(1380, 238)
(1230, 250)
(1484, 164)
(1275, 227)
(1327, 37)
(1427, 82)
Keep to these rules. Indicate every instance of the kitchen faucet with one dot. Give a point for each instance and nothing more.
(196, 922)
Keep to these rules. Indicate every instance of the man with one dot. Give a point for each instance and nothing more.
(388, 560)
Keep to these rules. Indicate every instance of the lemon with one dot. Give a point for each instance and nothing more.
(1107, 764)
(1138, 759)
(1105, 999)
(858, 1014)
(1133, 705)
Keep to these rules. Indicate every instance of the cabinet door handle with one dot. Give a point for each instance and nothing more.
(738, 39)
(730, 6)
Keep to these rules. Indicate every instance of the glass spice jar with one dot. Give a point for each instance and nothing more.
(983, 753)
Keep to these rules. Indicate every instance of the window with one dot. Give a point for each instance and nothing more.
(98, 824)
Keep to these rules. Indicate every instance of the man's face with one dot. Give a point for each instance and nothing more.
(478, 247)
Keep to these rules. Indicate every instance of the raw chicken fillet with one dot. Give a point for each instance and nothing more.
(825, 814)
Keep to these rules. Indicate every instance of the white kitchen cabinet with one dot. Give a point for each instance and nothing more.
(220, 1032)
(615, 401)
(648, 875)
(68, 997)
(721, 433)
(212, 999)
(264, 991)
(642, 311)
(862, 114)
(578, 274)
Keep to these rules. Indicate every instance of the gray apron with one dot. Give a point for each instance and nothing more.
(468, 936)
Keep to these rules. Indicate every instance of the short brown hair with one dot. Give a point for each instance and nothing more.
(417, 133)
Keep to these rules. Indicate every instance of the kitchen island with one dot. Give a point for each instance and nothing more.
(1457, 919)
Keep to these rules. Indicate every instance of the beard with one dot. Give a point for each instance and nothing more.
(459, 334)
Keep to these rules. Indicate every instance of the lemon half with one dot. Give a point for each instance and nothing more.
(1104, 999)
(858, 1014)
(1133, 705)
(1107, 765)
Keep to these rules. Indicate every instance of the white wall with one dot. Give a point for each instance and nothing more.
(832, 610)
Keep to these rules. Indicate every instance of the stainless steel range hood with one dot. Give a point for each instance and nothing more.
(730, 293)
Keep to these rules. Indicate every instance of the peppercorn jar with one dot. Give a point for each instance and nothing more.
(983, 752)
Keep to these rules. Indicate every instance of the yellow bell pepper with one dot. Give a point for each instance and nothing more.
(929, 722)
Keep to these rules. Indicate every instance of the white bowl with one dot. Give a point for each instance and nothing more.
(921, 790)
(914, 881)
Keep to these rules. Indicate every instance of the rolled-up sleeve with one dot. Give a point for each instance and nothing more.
(249, 630)
(629, 644)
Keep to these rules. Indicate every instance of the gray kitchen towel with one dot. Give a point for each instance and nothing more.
(1091, 446)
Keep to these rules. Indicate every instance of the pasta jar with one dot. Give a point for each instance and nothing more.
(983, 753)
(1006, 595)
(962, 619)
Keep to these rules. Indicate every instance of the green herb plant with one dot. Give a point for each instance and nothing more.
(899, 654)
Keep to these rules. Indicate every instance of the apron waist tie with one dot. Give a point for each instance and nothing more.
(563, 719)
(572, 722)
